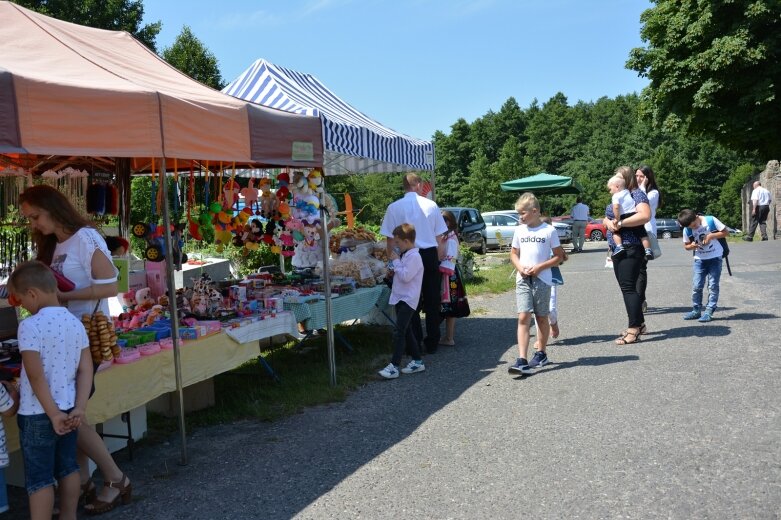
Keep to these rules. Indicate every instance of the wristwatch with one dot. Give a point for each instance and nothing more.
(618, 225)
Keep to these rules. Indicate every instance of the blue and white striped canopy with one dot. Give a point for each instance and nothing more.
(353, 142)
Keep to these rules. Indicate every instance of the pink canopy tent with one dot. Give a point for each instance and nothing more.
(69, 92)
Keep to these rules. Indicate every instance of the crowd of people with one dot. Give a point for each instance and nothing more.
(422, 243)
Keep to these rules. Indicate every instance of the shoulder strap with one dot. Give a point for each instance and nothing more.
(711, 224)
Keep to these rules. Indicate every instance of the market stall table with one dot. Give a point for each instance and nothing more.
(120, 388)
(344, 307)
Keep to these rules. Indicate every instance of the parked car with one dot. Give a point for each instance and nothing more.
(595, 229)
(471, 228)
(500, 228)
(497, 221)
(668, 228)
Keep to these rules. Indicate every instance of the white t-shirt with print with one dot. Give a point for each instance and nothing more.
(73, 259)
(535, 245)
(59, 338)
(6, 403)
(625, 202)
(710, 250)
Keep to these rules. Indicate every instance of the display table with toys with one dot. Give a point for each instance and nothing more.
(123, 387)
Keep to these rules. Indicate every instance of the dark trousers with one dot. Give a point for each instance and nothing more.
(642, 279)
(403, 335)
(759, 218)
(627, 271)
(429, 298)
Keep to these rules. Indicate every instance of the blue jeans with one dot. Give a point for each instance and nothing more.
(48, 457)
(710, 269)
(3, 492)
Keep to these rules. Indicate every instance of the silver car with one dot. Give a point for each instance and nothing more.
(500, 228)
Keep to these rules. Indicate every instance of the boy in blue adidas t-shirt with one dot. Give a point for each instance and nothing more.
(703, 241)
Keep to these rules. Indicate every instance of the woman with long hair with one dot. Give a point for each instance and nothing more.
(69, 243)
(646, 181)
(627, 267)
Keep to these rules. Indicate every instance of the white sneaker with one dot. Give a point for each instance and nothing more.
(390, 372)
(413, 367)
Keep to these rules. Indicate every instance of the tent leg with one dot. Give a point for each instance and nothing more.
(169, 270)
(327, 289)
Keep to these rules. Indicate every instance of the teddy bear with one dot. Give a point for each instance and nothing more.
(144, 300)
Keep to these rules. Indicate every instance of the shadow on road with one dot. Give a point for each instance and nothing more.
(594, 361)
(747, 316)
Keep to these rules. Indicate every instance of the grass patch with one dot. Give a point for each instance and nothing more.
(493, 280)
(249, 392)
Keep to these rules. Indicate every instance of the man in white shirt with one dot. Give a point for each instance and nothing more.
(579, 214)
(760, 208)
(425, 215)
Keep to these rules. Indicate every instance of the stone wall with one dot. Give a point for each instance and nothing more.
(771, 180)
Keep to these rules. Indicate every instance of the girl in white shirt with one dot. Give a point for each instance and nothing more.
(69, 243)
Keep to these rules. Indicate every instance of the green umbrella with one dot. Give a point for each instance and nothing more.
(544, 183)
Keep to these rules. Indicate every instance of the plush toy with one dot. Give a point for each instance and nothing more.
(155, 313)
(268, 202)
(315, 179)
(283, 190)
(250, 194)
(144, 300)
(299, 186)
(230, 194)
(128, 301)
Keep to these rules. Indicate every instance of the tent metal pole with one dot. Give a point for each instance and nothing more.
(171, 283)
(327, 288)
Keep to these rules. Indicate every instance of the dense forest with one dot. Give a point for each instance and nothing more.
(586, 141)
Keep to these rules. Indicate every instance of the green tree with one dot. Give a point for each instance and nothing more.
(715, 70)
(728, 207)
(115, 15)
(192, 57)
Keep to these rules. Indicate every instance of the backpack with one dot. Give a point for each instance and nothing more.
(712, 228)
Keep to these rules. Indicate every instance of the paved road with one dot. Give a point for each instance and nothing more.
(684, 424)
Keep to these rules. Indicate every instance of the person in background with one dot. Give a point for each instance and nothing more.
(69, 244)
(9, 404)
(646, 181)
(708, 252)
(55, 382)
(405, 295)
(118, 246)
(535, 249)
(425, 217)
(452, 284)
(627, 267)
(624, 207)
(579, 214)
(760, 208)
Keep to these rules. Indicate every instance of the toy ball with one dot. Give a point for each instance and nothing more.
(215, 207)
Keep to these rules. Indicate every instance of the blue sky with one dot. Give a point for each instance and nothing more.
(417, 66)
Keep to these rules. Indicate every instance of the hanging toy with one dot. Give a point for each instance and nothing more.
(96, 199)
(315, 179)
(283, 189)
(268, 202)
(250, 194)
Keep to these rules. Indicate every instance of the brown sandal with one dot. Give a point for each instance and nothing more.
(631, 335)
(125, 488)
(89, 493)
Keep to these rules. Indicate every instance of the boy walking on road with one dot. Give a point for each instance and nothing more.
(535, 249)
(703, 240)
